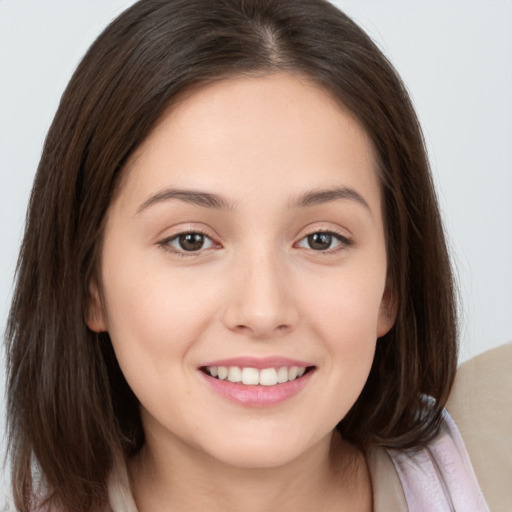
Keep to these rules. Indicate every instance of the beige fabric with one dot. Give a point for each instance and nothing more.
(481, 405)
(388, 495)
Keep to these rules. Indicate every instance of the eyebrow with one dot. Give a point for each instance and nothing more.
(204, 199)
(209, 200)
(316, 197)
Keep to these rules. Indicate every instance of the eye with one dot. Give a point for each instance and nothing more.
(324, 241)
(192, 241)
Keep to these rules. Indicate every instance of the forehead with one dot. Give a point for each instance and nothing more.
(277, 132)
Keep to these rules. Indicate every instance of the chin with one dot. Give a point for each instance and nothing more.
(251, 453)
(255, 459)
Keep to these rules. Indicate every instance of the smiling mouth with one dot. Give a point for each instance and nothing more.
(254, 377)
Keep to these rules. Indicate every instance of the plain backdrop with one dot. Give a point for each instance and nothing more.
(455, 57)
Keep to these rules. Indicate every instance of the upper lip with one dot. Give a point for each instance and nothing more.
(258, 362)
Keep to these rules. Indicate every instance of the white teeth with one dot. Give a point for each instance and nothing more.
(268, 377)
(253, 376)
(250, 376)
(234, 374)
(282, 375)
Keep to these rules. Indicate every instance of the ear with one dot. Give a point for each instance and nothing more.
(95, 317)
(388, 310)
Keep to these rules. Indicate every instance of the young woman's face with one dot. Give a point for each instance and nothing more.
(247, 239)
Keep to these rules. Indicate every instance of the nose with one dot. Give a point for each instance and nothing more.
(261, 303)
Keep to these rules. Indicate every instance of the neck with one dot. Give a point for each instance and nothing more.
(331, 476)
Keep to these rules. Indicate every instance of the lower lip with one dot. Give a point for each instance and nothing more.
(257, 396)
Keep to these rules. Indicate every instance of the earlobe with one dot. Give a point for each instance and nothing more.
(388, 311)
(95, 316)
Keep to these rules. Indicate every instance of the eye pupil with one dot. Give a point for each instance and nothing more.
(191, 241)
(320, 241)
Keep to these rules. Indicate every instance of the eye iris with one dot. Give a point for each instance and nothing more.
(191, 241)
(320, 241)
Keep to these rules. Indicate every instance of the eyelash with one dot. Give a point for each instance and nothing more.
(166, 244)
(343, 243)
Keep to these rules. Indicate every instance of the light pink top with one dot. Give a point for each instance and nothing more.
(440, 476)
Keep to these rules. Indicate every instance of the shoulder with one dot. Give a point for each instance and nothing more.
(439, 476)
(481, 405)
(471, 452)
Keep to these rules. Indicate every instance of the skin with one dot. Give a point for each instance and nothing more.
(256, 288)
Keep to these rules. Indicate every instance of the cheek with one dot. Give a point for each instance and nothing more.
(153, 313)
(344, 314)
(346, 306)
(154, 321)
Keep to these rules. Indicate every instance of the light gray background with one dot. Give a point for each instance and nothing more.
(455, 57)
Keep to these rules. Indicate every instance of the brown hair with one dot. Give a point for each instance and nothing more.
(71, 414)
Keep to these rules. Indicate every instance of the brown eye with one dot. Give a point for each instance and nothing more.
(324, 241)
(191, 241)
(320, 241)
(188, 242)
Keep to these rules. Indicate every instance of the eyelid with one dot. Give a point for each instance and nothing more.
(164, 242)
(345, 241)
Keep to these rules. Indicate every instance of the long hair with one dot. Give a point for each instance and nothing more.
(71, 414)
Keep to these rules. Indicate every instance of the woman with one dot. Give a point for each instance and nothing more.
(233, 285)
